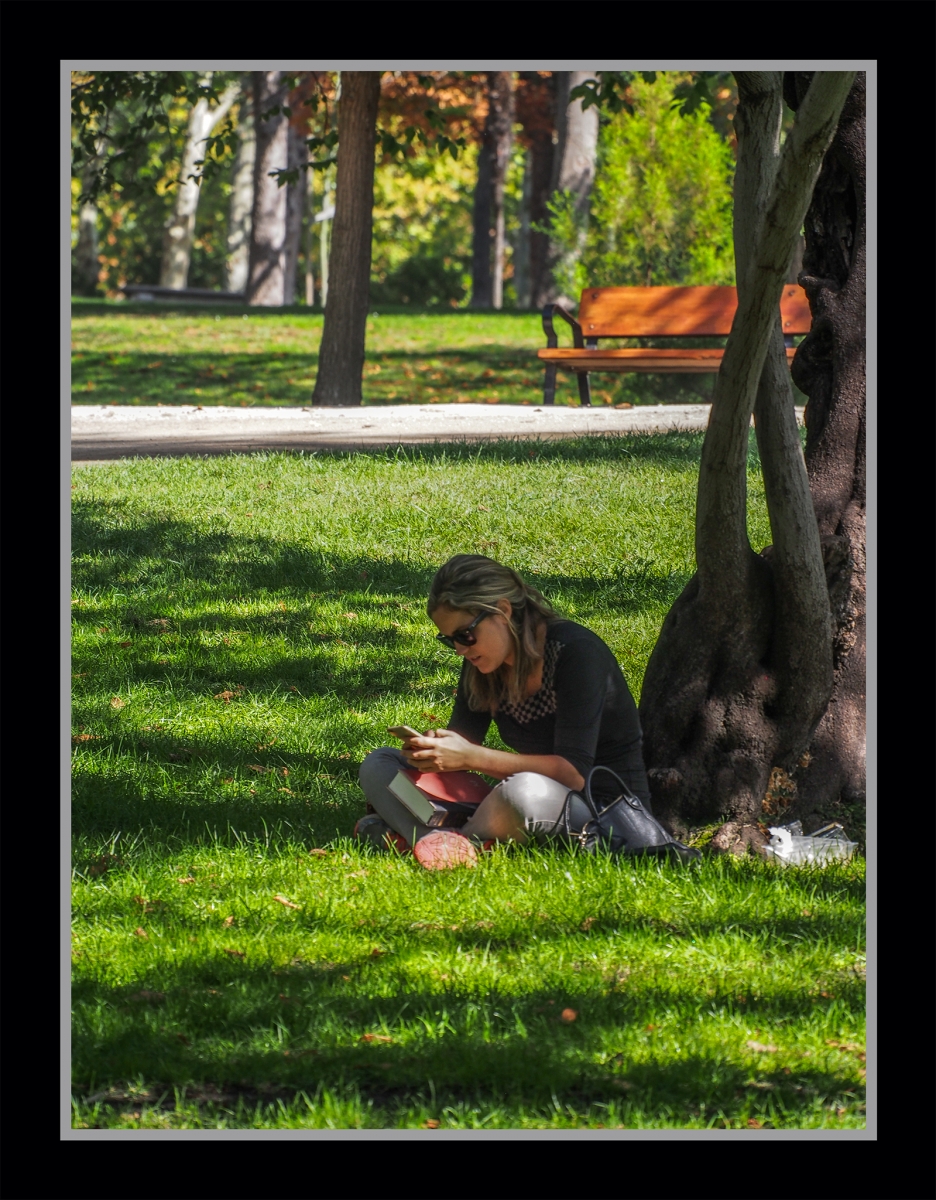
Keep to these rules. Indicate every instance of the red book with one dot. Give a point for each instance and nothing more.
(462, 787)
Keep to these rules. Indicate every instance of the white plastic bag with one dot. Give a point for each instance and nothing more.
(789, 847)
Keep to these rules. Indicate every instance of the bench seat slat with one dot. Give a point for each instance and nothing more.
(677, 311)
(684, 362)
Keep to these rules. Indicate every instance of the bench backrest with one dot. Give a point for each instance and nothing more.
(677, 311)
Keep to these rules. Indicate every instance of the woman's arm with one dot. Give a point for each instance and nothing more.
(449, 751)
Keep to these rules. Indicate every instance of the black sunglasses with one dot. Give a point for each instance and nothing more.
(461, 637)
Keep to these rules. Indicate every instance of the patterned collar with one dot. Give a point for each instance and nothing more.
(543, 702)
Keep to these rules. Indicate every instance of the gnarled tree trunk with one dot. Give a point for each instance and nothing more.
(829, 368)
(341, 357)
(743, 669)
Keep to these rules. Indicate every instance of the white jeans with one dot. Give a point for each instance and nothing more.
(521, 808)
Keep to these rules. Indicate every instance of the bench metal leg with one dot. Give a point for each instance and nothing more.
(549, 384)
(584, 389)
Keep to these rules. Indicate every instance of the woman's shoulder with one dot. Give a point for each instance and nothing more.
(569, 633)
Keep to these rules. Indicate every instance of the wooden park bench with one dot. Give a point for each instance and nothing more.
(146, 291)
(652, 312)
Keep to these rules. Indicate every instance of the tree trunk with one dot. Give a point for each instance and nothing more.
(266, 275)
(180, 228)
(829, 368)
(521, 251)
(573, 171)
(295, 199)
(742, 671)
(341, 357)
(86, 265)
(487, 282)
(242, 194)
(542, 154)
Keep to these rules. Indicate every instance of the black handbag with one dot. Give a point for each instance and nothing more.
(624, 826)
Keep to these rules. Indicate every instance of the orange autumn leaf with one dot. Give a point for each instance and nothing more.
(568, 1015)
(140, 932)
(430, 1124)
(375, 1037)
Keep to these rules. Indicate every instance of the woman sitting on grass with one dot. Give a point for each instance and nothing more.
(558, 699)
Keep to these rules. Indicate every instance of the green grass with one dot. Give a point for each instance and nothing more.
(157, 354)
(244, 631)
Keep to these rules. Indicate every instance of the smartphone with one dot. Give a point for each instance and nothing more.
(403, 732)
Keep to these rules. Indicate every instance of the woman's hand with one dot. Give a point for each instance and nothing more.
(440, 750)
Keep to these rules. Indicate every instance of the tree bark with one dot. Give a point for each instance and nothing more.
(573, 170)
(341, 357)
(86, 265)
(266, 276)
(829, 368)
(242, 194)
(487, 279)
(742, 671)
(180, 228)
(298, 153)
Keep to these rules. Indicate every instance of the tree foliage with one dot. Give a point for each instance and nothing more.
(661, 204)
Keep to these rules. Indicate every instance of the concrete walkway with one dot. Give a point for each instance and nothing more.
(100, 433)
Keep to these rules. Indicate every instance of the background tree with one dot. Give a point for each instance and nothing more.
(341, 356)
(573, 172)
(743, 671)
(487, 261)
(266, 275)
(242, 193)
(180, 228)
(536, 113)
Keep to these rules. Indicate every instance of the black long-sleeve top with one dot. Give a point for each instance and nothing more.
(583, 712)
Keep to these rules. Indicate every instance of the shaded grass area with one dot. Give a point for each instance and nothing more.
(244, 631)
(160, 354)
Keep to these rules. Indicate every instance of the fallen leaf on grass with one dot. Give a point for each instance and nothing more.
(375, 1037)
(228, 779)
(318, 853)
(760, 1048)
(140, 933)
(430, 1124)
(377, 952)
(235, 953)
(284, 999)
(284, 901)
(226, 696)
(104, 863)
(125, 645)
(116, 702)
(356, 875)
(186, 879)
(227, 922)
(568, 1015)
(753, 1123)
(587, 923)
(256, 767)
(86, 737)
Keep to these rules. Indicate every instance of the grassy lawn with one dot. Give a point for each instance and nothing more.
(156, 354)
(244, 631)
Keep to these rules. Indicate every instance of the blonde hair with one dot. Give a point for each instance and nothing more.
(474, 584)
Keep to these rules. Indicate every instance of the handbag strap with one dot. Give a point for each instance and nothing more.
(625, 790)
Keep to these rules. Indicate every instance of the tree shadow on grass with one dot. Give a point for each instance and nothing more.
(196, 1031)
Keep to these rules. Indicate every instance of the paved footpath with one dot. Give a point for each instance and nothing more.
(100, 433)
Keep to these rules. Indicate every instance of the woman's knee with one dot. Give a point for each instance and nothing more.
(380, 765)
(531, 795)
